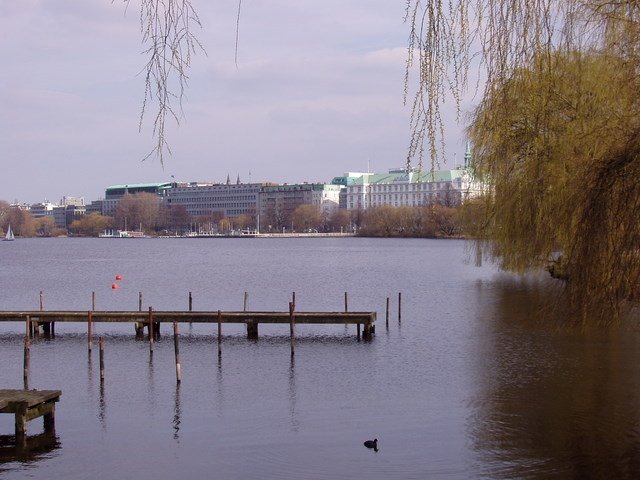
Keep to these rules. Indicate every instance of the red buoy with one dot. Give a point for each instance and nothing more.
(114, 286)
(118, 277)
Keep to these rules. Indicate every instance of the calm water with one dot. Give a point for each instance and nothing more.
(476, 382)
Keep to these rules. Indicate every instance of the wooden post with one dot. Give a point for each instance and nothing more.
(49, 420)
(27, 345)
(139, 301)
(387, 315)
(293, 300)
(101, 344)
(292, 327)
(21, 423)
(150, 329)
(246, 296)
(89, 329)
(252, 329)
(177, 352)
(41, 301)
(219, 333)
(358, 332)
(399, 307)
(190, 302)
(346, 302)
(367, 333)
(93, 301)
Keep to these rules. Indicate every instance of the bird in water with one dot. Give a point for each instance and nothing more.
(372, 444)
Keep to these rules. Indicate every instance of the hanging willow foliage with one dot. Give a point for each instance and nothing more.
(556, 133)
(167, 28)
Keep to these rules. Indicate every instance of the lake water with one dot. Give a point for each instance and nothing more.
(477, 381)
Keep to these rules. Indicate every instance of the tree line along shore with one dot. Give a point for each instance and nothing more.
(143, 212)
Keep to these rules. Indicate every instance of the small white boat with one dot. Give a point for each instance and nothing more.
(9, 236)
(110, 233)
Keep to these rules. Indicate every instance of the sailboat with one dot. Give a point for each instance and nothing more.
(9, 236)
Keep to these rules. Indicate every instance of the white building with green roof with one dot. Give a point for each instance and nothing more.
(400, 188)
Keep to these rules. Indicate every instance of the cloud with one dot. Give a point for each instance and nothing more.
(317, 90)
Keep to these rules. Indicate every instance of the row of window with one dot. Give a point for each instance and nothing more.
(406, 188)
(180, 199)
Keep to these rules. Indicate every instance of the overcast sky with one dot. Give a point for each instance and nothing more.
(318, 91)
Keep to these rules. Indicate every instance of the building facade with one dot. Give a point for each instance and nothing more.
(277, 202)
(201, 199)
(113, 194)
(400, 188)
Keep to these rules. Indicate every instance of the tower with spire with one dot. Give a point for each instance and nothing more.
(467, 156)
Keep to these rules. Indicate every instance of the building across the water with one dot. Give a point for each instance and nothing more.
(412, 188)
(229, 199)
(278, 202)
(400, 188)
(113, 194)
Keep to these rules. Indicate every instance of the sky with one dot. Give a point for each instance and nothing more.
(317, 91)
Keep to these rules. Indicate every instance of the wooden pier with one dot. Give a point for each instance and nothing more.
(27, 405)
(47, 318)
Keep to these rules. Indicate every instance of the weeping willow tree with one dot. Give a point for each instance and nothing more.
(556, 133)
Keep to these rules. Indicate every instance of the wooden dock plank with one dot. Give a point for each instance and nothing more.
(27, 405)
(9, 398)
(192, 317)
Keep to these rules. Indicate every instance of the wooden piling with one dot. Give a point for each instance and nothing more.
(246, 296)
(150, 329)
(27, 348)
(93, 301)
(387, 315)
(292, 326)
(219, 333)
(41, 301)
(346, 302)
(176, 349)
(101, 345)
(190, 302)
(252, 328)
(368, 331)
(293, 300)
(89, 330)
(399, 307)
(139, 301)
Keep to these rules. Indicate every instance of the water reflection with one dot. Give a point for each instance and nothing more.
(293, 394)
(90, 374)
(552, 402)
(102, 407)
(220, 385)
(177, 413)
(36, 447)
(152, 400)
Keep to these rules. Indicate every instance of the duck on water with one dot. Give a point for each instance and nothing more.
(372, 444)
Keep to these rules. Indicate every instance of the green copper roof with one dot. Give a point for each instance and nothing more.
(140, 185)
(414, 177)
